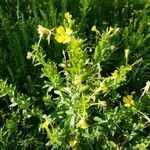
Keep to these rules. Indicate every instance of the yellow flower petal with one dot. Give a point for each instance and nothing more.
(59, 38)
(128, 101)
(60, 30)
(67, 39)
(63, 35)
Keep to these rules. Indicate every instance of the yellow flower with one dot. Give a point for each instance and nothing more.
(68, 16)
(73, 144)
(103, 88)
(82, 124)
(128, 101)
(63, 35)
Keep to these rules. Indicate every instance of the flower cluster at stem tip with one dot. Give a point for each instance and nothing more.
(63, 35)
(128, 101)
(44, 32)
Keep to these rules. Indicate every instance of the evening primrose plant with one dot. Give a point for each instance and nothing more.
(85, 110)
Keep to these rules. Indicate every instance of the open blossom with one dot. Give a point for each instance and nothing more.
(128, 101)
(63, 35)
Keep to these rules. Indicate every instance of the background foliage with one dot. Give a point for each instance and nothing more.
(19, 20)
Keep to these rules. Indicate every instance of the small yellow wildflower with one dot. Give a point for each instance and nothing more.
(68, 16)
(73, 144)
(82, 124)
(103, 87)
(128, 101)
(63, 35)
